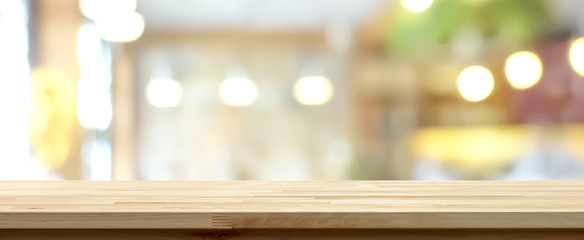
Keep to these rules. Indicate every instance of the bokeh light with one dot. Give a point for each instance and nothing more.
(267, 91)
(523, 69)
(121, 28)
(475, 83)
(97, 155)
(94, 105)
(164, 93)
(313, 90)
(577, 56)
(417, 5)
(89, 50)
(96, 9)
(238, 91)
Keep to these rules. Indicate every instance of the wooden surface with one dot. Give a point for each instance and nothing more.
(291, 234)
(291, 205)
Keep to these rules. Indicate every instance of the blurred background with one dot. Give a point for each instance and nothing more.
(291, 89)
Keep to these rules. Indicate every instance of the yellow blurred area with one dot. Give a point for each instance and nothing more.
(483, 149)
(474, 148)
(52, 116)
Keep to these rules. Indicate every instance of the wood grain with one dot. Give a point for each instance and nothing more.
(289, 234)
(291, 205)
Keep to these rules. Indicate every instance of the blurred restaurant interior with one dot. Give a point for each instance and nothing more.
(291, 89)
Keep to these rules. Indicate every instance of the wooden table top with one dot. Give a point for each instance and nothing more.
(285, 205)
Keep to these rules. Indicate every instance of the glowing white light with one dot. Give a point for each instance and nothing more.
(15, 162)
(94, 105)
(121, 28)
(417, 5)
(88, 48)
(95, 113)
(475, 83)
(313, 90)
(96, 9)
(164, 93)
(523, 69)
(577, 56)
(94, 108)
(90, 55)
(238, 91)
(97, 156)
(13, 28)
(14, 106)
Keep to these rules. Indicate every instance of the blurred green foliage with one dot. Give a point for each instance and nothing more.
(515, 23)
